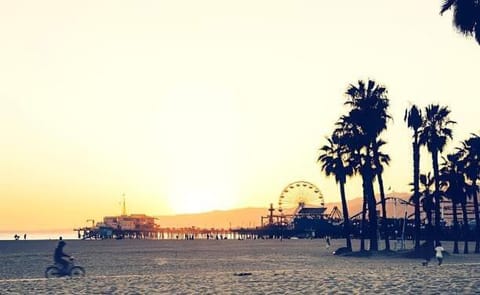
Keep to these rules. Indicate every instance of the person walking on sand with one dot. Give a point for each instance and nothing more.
(439, 253)
(427, 249)
(327, 241)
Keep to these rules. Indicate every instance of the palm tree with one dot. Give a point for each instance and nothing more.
(452, 184)
(367, 119)
(466, 16)
(434, 134)
(362, 164)
(380, 160)
(349, 139)
(413, 117)
(461, 190)
(334, 159)
(471, 157)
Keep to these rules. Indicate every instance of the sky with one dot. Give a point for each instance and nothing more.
(192, 106)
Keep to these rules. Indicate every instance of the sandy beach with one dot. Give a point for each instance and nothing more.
(229, 267)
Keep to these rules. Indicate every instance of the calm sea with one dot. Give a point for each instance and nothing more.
(43, 235)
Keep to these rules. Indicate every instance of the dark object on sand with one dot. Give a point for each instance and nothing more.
(241, 274)
(341, 250)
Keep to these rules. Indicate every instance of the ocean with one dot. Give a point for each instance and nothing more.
(37, 235)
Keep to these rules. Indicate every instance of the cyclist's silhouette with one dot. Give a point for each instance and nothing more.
(59, 254)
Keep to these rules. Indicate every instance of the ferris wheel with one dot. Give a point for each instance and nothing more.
(300, 193)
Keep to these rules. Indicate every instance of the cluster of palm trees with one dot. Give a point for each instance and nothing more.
(458, 179)
(455, 180)
(354, 148)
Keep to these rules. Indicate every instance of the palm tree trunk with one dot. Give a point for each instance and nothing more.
(364, 224)
(477, 217)
(430, 219)
(372, 216)
(416, 189)
(346, 219)
(465, 227)
(372, 210)
(437, 196)
(384, 211)
(429, 229)
(455, 227)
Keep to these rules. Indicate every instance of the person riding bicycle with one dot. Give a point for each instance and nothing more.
(59, 254)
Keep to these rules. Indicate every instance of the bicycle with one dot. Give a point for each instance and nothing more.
(57, 271)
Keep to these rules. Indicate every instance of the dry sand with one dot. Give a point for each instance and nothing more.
(229, 267)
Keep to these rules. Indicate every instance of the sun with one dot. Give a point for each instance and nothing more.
(199, 148)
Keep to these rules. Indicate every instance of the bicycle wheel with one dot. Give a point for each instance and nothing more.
(52, 272)
(77, 271)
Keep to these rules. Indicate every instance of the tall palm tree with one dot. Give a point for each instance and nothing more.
(361, 162)
(334, 159)
(367, 118)
(380, 160)
(434, 134)
(413, 117)
(350, 138)
(471, 157)
(466, 16)
(461, 189)
(451, 181)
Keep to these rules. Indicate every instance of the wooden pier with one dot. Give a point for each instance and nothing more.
(157, 233)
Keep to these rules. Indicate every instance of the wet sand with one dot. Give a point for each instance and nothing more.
(229, 267)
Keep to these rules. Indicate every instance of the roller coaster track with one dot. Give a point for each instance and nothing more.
(399, 200)
(446, 209)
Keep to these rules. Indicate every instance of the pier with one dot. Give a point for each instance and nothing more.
(157, 233)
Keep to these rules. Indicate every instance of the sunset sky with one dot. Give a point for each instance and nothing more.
(191, 106)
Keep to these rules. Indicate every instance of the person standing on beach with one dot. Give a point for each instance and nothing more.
(439, 253)
(427, 249)
(327, 241)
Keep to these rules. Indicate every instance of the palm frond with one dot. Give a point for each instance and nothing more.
(477, 32)
(447, 4)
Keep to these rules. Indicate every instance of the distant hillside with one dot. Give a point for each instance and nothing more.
(249, 217)
(244, 217)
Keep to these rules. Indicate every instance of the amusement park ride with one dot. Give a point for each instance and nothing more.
(301, 212)
(296, 200)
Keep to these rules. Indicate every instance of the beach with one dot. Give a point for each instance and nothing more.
(229, 267)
